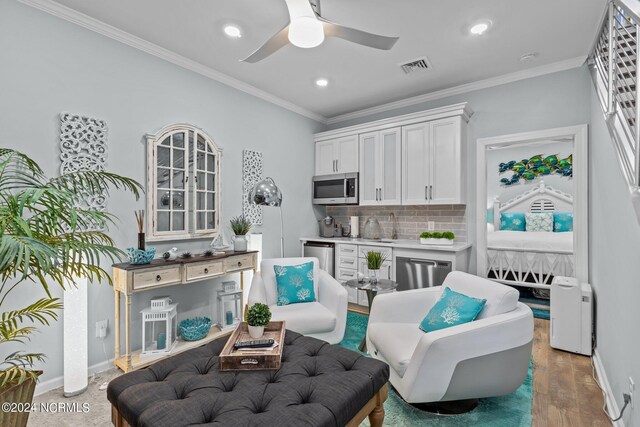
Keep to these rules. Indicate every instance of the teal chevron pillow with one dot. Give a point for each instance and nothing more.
(512, 221)
(539, 221)
(562, 221)
(294, 283)
(452, 309)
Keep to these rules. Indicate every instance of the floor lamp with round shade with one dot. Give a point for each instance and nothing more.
(267, 193)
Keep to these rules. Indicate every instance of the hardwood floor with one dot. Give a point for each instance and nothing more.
(564, 392)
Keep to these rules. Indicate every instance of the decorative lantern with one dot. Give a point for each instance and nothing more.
(229, 306)
(159, 329)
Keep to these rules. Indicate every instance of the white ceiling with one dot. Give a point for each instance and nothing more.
(361, 77)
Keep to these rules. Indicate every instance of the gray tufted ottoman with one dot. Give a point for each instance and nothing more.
(318, 385)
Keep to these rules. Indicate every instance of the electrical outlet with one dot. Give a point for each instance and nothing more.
(431, 225)
(632, 388)
(101, 328)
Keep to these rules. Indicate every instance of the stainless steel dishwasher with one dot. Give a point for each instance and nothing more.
(415, 273)
(324, 252)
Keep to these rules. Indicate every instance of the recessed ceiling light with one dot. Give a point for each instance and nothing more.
(480, 28)
(232, 31)
(528, 56)
(322, 82)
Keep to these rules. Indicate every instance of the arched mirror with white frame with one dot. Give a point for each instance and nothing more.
(532, 217)
(183, 184)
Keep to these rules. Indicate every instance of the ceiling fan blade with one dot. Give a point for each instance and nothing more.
(376, 41)
(277, 41)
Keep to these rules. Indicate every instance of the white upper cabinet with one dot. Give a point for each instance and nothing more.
(380, 162)
(412, 159)
(432, 163)
(338, 155)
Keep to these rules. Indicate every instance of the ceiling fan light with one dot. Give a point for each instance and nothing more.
(306, 32)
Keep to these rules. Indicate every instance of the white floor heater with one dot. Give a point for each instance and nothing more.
(571, 315)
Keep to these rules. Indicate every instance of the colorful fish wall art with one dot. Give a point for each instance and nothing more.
(536, 166)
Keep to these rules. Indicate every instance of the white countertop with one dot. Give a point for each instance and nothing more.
(399, 243)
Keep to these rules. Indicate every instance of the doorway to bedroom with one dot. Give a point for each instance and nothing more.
(532, 208)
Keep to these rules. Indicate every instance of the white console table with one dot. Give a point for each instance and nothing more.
(129, 279)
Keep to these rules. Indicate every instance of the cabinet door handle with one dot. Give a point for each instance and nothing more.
(431, 192)
(426, 192)
(206, 271)
(158, 278)
(389, 272)
(337, 165)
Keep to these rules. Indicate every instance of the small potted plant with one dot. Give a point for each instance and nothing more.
(240, 227)
(437, 238)
(374, 263)
(257, 316)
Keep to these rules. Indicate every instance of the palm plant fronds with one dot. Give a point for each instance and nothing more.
(44, 239)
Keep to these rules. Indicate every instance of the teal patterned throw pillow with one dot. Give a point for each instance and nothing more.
(539, 221)
(452, 309)
(562, 221)
(294, 283)
(512, 221)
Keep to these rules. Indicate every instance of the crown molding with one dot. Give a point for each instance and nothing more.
(60, 11)
(468, 87)
(462, 109)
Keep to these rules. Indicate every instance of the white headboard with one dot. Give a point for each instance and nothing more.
(538, 199)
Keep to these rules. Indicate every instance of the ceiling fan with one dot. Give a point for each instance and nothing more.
(307, 29)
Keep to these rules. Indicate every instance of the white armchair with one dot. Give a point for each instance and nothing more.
(325, 319)
(486, 357)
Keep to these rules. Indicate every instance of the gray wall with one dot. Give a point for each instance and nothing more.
(553, 100)
(50, 66)
(614, 270)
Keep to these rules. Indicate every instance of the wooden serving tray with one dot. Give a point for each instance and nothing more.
(231, 359)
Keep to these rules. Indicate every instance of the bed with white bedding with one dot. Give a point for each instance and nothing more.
(530, 258)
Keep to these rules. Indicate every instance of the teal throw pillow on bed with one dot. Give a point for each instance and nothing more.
(512, 221)
(452, 309)
(539, 221)
(294, 283)
(562, 221)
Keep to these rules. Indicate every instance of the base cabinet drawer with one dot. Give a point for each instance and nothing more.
(348, 262)
(348, 250)
(156, 277)
(202, 270)
(239, 263)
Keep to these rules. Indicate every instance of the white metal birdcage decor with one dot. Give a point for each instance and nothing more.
(159, 330)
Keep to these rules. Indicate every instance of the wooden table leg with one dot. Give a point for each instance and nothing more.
(127, 330)
(376, 417)
(117, 324)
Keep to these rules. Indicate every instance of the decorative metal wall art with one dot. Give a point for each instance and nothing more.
(536, 166)
(252, 166)
(83, 147)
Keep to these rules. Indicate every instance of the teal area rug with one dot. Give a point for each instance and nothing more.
(539, 306)
(513, 410)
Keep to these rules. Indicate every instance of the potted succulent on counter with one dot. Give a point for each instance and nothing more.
(257, 316)
(240, 227)
(44, 241)
(437, 238)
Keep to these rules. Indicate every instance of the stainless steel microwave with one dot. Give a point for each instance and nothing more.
(337, 189)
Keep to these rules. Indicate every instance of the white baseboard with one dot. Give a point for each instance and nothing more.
(612, 405)
(57, 382)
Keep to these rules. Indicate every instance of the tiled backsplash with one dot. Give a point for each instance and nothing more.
(412, 220)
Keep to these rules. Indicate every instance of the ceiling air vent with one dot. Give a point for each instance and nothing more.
(420, 64)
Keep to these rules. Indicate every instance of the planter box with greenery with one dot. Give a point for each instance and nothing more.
(44, 241)
(437, 238)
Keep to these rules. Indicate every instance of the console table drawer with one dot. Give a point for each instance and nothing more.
(238, 263)
(156, 277)
(202, 270)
